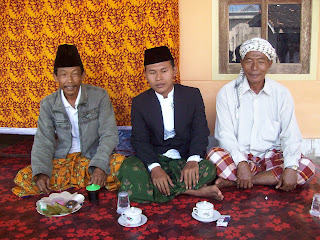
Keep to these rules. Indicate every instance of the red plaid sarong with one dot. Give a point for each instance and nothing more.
(271, 161)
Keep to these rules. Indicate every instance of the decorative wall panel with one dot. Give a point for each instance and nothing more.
(111, 36)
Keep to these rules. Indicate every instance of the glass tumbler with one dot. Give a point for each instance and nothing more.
(123, 202)
(315, 207)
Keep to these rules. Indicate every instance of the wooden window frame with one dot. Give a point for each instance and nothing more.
(277, 68)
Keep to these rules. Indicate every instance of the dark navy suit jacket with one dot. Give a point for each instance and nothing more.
(190, 125)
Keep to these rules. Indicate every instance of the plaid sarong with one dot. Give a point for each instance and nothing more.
(67, 173)
(136, 179)
(271, 161)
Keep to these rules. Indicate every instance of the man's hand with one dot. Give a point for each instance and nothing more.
(244, 175)
(190, 174)
(98, 177)
(288, 180)
(43, 183)
(161, 180)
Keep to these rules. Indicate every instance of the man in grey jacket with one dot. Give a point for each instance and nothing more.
(76, 133)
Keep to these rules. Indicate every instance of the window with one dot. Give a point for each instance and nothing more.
(286, 24)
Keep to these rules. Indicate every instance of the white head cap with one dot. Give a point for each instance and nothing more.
(260, 45)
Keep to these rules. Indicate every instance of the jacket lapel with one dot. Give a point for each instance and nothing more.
(179, 108)
(58, 105)
(156, 114)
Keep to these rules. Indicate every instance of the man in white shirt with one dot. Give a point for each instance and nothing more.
(169, 135)
(256, 127)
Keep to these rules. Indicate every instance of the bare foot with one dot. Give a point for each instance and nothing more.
(221, 183)
(211, 191)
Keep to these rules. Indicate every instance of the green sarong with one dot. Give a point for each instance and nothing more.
(136, 179)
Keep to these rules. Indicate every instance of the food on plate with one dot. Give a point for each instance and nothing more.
(60, 204)
(56, 209)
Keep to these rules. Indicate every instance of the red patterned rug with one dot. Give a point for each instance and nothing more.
(258, 213)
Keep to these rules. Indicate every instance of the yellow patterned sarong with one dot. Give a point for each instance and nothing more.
(67, 173)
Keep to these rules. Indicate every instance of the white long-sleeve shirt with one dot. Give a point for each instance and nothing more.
(264, 121)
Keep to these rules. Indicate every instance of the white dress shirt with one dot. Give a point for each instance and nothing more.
(264, 121)
(167, 108)
(73, 117)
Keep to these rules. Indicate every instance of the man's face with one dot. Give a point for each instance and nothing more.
(160, 77)
(255, 66)
(70, 79)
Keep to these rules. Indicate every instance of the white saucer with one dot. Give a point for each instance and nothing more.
(215, 217)
(122, 222)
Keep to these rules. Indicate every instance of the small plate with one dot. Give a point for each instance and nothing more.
(62, 215)
(122, 222)
(215, 217)
(64, 196)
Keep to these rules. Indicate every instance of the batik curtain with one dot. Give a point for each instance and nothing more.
(111, 36)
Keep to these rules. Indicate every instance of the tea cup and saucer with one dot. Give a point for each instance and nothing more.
(205, 212)
(132, 217)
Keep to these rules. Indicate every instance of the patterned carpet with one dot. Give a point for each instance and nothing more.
(259, 213)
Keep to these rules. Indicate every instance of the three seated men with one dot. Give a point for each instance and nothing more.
(256, 129)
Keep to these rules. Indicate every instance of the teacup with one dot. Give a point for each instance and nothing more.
(204, 209)
(132, 215)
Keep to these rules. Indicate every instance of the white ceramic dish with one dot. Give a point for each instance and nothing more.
(122, 222)
(215, 217)
(63, 196)
(62, 215)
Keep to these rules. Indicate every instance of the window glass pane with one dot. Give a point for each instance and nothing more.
(244, 24)
(284, 22)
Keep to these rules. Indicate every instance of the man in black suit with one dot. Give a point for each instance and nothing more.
(169, 135)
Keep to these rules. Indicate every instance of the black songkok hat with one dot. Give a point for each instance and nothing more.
(156, 55)
(67, 56)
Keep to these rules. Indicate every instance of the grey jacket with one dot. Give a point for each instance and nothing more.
(97, 128)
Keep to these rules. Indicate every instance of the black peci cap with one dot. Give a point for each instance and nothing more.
(156, 55)
(67, 56)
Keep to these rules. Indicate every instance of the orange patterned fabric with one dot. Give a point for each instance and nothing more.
(111, 36)
(67, 173)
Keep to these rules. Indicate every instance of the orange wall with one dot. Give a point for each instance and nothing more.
(196, 68)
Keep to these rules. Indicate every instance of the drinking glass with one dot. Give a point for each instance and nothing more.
(123, 202)
(315, 207)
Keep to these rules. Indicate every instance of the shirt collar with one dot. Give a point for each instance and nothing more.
(170, 95)
(65, 101)
(246, 86)
(266, 88)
